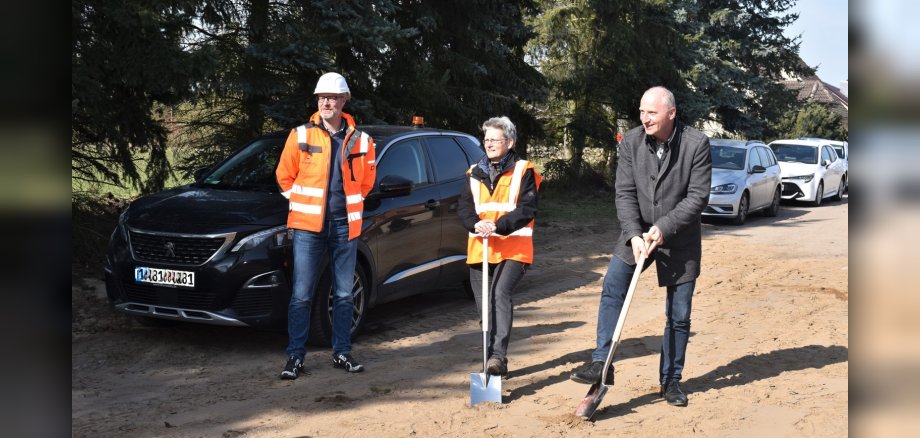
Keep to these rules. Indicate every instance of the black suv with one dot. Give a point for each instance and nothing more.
(218, 251)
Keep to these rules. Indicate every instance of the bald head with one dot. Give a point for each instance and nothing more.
(657, 111)
(662, 94)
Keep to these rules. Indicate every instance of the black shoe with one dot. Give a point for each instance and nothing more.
(673, 394)
(591, 374)
(293, 368)
(497, 366)
(346, 361)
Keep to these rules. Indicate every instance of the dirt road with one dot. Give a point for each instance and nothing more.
(768, 353)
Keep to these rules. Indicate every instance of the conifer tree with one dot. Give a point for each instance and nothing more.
(127, 68)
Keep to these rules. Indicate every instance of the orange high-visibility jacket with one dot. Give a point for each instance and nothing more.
(303, 174)
(491, 206)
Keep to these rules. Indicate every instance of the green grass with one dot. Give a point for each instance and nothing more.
(596, 207)
(126, 191)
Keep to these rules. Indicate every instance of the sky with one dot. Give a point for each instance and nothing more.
(824, 28)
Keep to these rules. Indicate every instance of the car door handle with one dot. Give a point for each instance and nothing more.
(432, 204)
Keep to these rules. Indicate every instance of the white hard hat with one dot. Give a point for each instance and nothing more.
(332, 83)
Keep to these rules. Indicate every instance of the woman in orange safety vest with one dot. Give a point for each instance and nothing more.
(499, 202)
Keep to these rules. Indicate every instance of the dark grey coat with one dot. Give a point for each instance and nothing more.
(672, 197)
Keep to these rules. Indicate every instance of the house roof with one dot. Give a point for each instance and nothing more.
(813, 89)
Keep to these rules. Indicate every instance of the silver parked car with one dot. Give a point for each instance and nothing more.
(745, 178)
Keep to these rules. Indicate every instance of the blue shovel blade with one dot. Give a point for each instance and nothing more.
(485, 388)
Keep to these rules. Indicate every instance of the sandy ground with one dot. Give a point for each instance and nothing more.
(768, 353)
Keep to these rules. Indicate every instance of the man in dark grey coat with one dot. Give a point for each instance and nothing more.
(662, 185)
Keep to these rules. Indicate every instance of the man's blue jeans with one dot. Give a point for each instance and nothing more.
(676, 329)
(309, 248)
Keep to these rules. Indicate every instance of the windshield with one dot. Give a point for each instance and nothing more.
(252, 168)
(795, 153)
(725, 157)
(839, 150)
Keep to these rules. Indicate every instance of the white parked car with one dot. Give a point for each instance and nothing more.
(811, 170)
(745, 178)
(842, 148)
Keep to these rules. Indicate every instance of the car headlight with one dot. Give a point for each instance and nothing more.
(277, 236)
(803, 178)
(724, 189)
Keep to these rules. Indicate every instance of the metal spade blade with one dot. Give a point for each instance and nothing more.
(589, 404)
(485, 388)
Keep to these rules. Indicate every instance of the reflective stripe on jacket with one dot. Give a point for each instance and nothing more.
(518, 245)
(303, 174)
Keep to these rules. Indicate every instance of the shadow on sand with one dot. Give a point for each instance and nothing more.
(742, 371)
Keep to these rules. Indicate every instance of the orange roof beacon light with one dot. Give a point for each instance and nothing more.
(418, 121)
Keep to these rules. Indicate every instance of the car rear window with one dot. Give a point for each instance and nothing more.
(828, 154)
(473, 150)
(448, 159)
(405, 159)
(766, 157)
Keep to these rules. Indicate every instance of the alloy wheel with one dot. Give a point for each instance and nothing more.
(742, 209)
(819, 195)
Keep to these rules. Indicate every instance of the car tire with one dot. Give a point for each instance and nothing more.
(839, 195)
(743, 206)
(773, 209)
(819, 195)
(321, 314)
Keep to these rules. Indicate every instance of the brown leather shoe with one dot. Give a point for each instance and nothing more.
(497, 366)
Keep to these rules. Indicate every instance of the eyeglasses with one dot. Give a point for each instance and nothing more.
(332, 99)
(494, 140)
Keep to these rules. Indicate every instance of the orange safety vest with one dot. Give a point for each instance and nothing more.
(491, 206)
(303, 174)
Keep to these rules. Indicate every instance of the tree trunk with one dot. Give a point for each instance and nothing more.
(610, 167)
(567, 150)
(578, 148)
(254, 69)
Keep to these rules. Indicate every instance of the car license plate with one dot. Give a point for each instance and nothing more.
(167, 277)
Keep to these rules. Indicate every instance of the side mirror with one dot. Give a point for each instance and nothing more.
(826, 163)
(758, 169)
(392, 186)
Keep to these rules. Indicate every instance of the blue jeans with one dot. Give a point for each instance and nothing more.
(309, 248)
(676, 329)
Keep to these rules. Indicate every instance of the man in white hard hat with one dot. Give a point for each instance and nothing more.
(326, 169)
